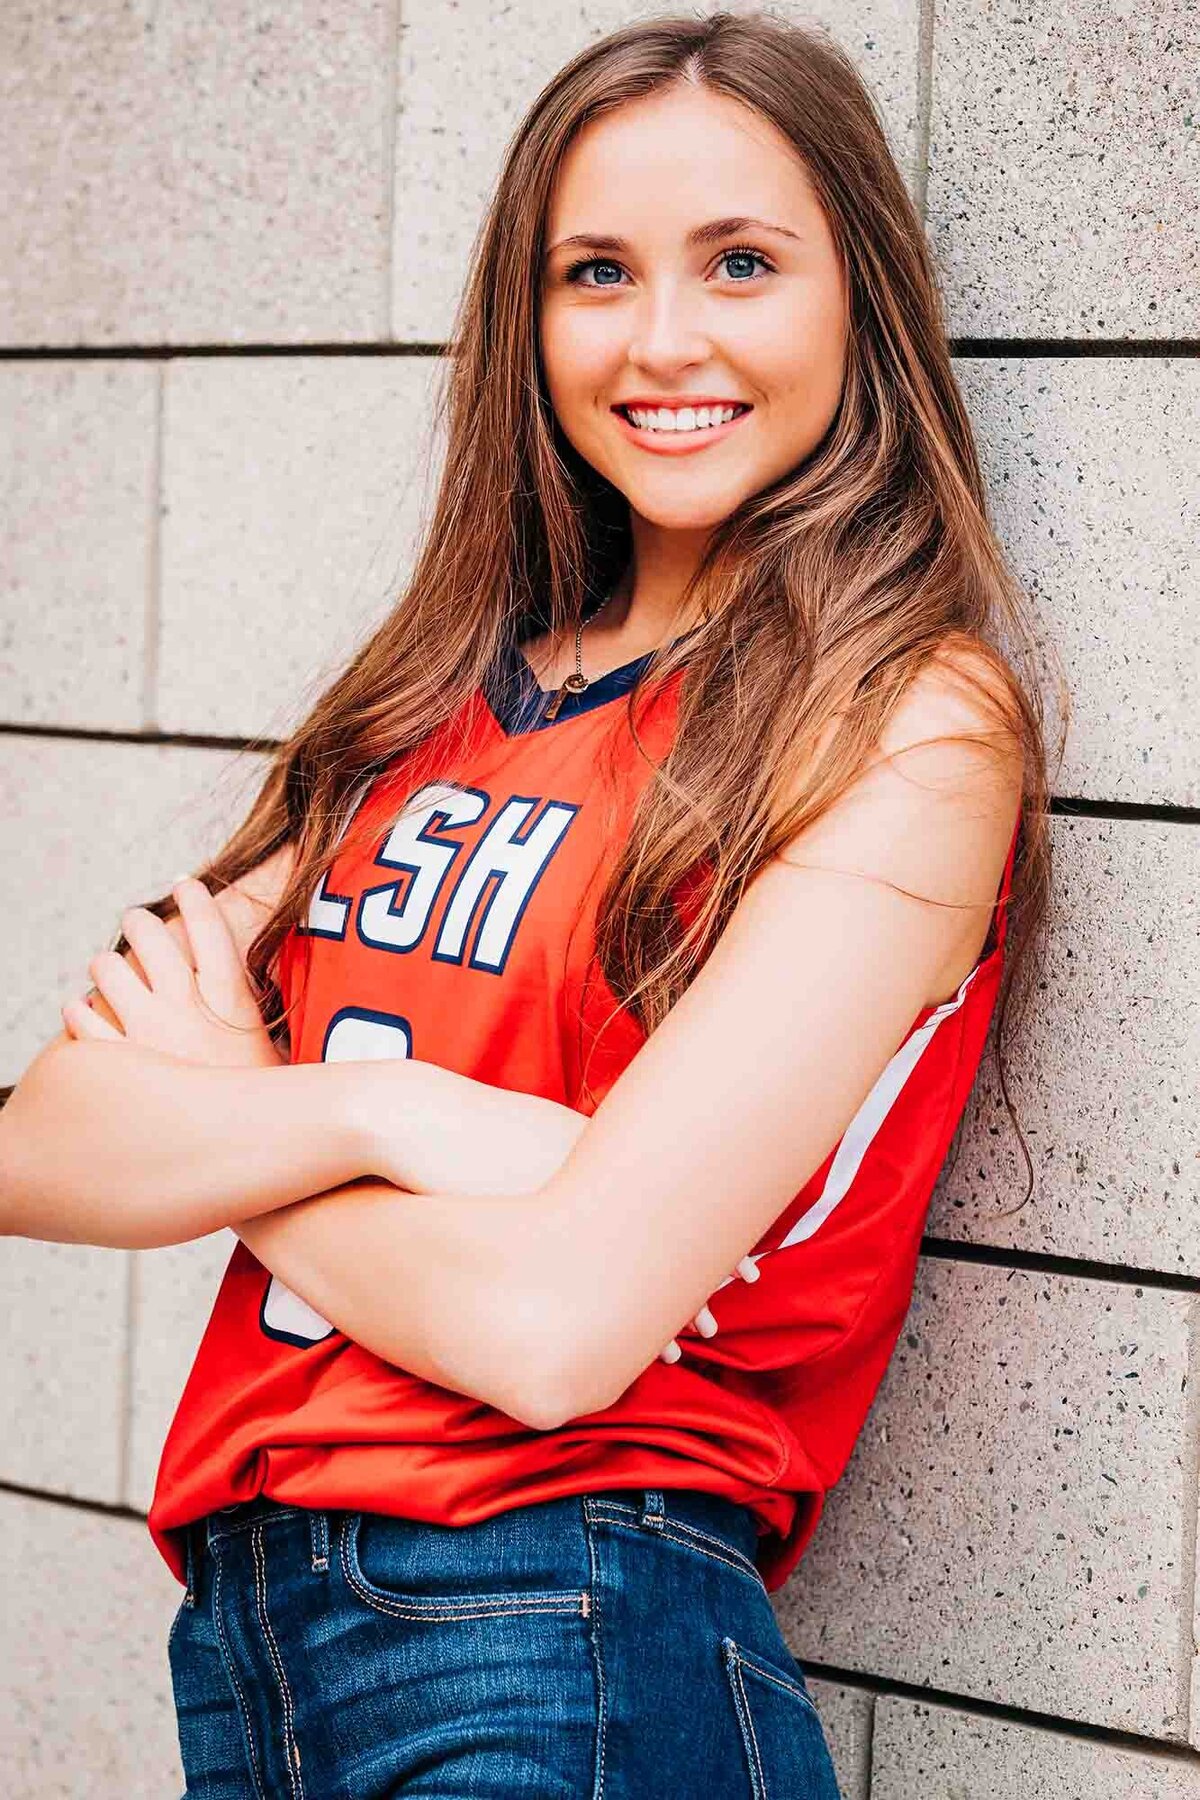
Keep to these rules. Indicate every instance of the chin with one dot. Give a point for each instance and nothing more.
(683, 512)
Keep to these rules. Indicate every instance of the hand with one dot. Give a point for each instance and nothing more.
(203, 1010)
(706, 1325)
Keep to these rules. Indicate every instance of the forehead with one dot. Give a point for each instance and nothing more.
(654, 161)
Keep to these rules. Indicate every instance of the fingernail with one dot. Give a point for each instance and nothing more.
(706, 1325)
(672, 1353)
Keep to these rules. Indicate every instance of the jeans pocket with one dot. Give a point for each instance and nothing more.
(786, 1752)
(415, 1570)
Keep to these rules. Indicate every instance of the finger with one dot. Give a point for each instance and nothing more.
(123, 990)
(82, 1022)
(166, 967)
(219, 968)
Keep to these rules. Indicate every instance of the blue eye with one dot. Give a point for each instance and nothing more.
(596, 263)
(748, 261)
(743, 266)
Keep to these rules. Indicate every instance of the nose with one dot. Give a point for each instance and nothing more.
(666, 334)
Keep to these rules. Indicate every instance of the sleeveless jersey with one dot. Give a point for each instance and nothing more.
(462, 933)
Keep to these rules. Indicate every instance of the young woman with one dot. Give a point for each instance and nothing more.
(575, 1029)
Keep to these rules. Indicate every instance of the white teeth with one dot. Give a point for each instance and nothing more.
(688, 418)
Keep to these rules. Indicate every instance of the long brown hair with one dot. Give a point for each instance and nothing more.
(821, 597)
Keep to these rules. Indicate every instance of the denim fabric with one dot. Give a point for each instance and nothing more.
(617, 1645)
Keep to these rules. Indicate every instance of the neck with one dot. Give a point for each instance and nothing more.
(647, 602)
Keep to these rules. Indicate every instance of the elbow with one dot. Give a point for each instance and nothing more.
(555, 1376)
(546, 1405)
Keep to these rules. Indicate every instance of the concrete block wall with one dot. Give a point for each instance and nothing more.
(230, 242)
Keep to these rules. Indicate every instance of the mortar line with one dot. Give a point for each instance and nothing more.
(390, 140)
(1189, 1575)
(152, 618)
(925, 53)
(889, 1687)
(1061, 805)
(125, 1383)
(1045, 349)
(1045, 1262)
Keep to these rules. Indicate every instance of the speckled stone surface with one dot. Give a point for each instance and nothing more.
(924, 1752)
(174, 1287)
(1103, 1071)
(111, 826)
(1092, 466)
(88, 1605)
(1064, 161)
(846, 1716)
(77, 466)
(294, 490)
(1015, 1523)
(62, 1401)
(186, 175)
(468, 73)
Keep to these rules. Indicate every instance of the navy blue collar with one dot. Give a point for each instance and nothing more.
(517, 702)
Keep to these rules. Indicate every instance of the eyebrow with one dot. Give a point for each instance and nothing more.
(703, 234)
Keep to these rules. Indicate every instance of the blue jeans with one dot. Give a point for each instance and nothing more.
(617, 1645)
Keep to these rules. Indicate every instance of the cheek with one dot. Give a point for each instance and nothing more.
(798, 364)
(580, 351)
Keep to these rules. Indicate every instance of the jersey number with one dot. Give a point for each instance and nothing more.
(355, 1034)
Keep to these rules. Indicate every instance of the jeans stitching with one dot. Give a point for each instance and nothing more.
(570, 1600)
(597, 1654)
(289, 1735)
(675, 1526)
(233, 1675)
(674, 1529)
(789, 1687)
(318, 1522)
(733, 1667)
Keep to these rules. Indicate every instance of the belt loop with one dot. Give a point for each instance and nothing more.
(318, 1525)
(652, 1513)
(189, 1533)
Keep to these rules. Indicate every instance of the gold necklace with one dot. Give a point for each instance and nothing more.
(575, 682)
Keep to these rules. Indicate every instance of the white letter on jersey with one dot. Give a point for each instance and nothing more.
(380, 923)
(520, 864)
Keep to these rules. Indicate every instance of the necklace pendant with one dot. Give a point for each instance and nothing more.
(574, 684)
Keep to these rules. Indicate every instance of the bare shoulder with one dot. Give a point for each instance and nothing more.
(962, 706)
(932, 811)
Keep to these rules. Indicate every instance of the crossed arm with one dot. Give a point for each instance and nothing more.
(548, 1302)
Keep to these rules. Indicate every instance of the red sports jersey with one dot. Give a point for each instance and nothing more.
(463, 934)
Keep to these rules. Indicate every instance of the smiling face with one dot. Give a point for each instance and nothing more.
(693, 311)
